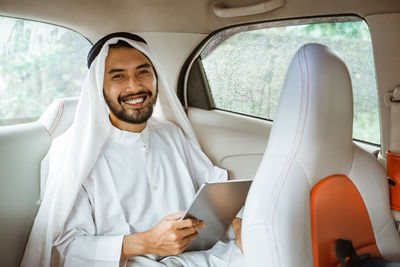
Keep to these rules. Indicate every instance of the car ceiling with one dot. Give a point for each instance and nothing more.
(94, 18)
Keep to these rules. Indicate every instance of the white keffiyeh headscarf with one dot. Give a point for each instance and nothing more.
(73, 155)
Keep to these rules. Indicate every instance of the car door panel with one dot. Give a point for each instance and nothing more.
(232, 141)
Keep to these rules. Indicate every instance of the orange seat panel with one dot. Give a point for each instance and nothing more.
(393, 171)
(338, 211)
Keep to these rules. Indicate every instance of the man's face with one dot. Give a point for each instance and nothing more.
(130, 85)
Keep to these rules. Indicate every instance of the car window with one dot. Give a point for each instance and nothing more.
(38, 64)
(245, 66)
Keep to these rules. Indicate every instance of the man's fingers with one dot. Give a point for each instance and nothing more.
(237, 225)
(189, 238)
(237, 221)
(184, 243)
(189, 223)
(239, 244)
(187, 231)
(174, 216)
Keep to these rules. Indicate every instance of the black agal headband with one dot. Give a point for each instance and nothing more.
(95, 50)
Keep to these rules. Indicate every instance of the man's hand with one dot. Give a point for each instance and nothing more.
(171, 236)
(168, 237)
(237, 229)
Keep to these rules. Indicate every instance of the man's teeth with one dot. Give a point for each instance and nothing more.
(134, 100)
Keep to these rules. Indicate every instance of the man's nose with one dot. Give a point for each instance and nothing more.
(133, 84)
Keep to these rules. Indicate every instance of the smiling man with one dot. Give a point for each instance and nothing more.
(130, 87)
(126, 175)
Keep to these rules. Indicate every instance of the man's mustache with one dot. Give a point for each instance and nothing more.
(122, 98)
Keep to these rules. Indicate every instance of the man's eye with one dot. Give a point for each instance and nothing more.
(118, 76)
(143, 72)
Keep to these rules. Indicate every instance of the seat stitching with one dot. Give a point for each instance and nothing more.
(59, 119)
(296, 143)
(55, 118)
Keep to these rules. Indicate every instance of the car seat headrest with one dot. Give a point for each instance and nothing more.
(313, 123)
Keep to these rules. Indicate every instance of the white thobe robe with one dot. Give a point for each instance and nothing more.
(138, 179)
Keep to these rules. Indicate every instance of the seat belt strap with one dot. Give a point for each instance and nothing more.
(392, 100)
(345, 250)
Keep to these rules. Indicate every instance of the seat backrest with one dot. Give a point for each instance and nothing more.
(313, 184)
(22, 148)
(59, 116)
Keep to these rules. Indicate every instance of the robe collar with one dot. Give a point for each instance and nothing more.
(130, 138)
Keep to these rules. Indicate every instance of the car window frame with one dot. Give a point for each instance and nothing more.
(24, 120)
(182, 87)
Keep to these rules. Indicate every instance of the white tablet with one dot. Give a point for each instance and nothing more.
(216, 204)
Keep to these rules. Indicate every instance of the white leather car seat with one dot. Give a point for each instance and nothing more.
(22, 149)
(59, 115)
(314, 184)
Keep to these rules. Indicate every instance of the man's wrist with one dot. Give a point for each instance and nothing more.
(134, 245)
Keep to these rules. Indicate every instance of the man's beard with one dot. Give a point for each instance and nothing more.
(134, 116)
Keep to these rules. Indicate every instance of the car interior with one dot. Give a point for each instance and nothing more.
(301, 96)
